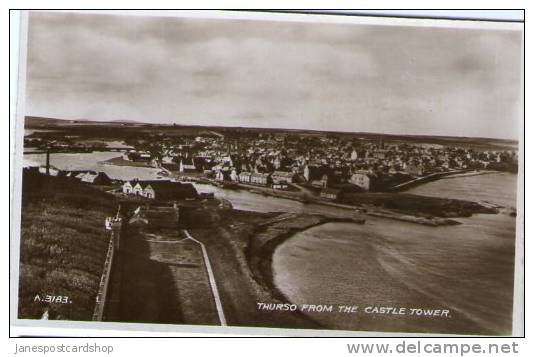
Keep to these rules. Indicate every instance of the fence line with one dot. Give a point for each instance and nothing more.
(101, 296)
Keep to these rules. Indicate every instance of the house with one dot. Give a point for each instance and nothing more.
(127, 187)
(220, 175)
(233, 175)
(74, 173)
(96, 178)
(354, 155)
(283, 176)
(202, 163)
(53, 171)
(227, 160)
(155, 161)
(307, 172)
(167, 159)
(207, 195)
(277, 162)
(280, 186)
(168, 190)
(135, 187)
(322, 183)
(313, 173)
(139, 186)
(187, 165)
(363, 179)
(140, 156)
(330, 193)
(244, 177)
(379, 154)
(414, 169)
(170, 166)
(262, 179)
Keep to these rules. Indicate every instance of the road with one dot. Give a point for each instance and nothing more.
(213, 283)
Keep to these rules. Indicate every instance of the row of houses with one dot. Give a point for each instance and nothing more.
(160, 189)
(277, 178)
(152, 189)
(363, 179)
(91, 177)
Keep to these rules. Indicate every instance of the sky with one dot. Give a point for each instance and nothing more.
(298, 75)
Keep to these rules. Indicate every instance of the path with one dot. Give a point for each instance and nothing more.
(213, 283)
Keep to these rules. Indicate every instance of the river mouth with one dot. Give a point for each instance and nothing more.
(467, 270)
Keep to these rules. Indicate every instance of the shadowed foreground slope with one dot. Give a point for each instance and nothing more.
(63, 246)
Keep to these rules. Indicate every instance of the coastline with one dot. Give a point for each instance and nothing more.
(119, 161)
(439, 211)
(472, 173)
(271, 235)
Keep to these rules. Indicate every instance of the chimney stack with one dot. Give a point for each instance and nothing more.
(47, 162)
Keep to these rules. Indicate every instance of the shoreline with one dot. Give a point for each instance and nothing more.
(378, 210)
(119, 161)
(260, 258)
(432, 222)
(472, 173)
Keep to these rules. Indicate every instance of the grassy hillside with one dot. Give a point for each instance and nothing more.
(63, 245)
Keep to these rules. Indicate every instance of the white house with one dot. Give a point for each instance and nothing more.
(362, 179)
(354, 155)
(219, 176)
(260, 179)
(244, 177)
(138, 189)
(127, 188)
(233, 175)
(53, 171)
(283, 176)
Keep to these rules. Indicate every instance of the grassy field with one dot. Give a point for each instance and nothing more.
(63, 246)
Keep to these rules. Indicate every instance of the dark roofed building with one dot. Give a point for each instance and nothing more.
(315, 173)
(330, 193)
(168, 190)
(96, 178)
(187, 165)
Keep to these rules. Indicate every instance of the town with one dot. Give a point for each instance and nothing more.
(326, 165)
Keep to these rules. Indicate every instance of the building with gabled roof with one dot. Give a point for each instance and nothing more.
(96, 178)
(330, 193)
(283, 176)
(168, 190)
(363, 179)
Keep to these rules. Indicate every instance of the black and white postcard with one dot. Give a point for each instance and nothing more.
(295, 173)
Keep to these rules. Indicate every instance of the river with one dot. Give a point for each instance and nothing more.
(93, 161)
(241, 199)
(467, 269)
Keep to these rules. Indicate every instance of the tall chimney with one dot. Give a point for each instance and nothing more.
(47, 162)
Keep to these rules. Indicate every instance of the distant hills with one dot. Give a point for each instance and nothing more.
(30, 121)
(34, 122)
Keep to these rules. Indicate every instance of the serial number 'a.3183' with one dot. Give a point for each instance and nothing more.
(52, 299)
